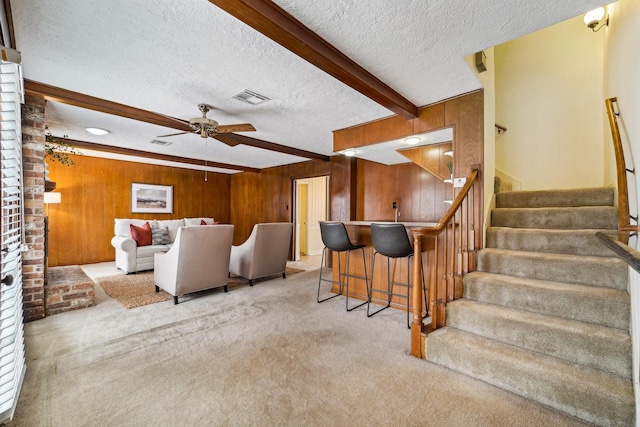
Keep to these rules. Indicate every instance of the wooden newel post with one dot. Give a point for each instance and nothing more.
(416, 280)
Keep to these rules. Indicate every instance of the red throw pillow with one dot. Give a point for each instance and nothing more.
(142, 235)
(203, 222)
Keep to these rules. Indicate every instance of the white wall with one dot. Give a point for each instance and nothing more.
(487, 80)
(622, 80)
(317, 211)
(549, 96)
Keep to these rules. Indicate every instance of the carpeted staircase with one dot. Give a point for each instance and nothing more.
(546, 315)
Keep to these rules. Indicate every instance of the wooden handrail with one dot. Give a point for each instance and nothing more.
(624, 218)
(454, 240)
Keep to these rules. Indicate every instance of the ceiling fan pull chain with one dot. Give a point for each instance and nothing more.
(205, 161)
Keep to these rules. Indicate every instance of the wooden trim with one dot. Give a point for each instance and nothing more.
(266, 145)
(148, 155)
(623, 251)
(52, 93)
(457, 202)
(64, 96)
(624, 220)
(455, 244)
(9, 17)
(278, 25)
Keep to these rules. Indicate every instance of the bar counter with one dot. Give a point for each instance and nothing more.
(360, 233)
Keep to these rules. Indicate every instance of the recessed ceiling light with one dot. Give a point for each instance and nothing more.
(412, 140)
(98, 131)
(349, 153)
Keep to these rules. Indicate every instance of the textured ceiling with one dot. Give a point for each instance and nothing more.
(170, 55)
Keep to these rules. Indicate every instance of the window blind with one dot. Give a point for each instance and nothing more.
(12, 355)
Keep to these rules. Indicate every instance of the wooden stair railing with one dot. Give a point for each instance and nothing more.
(624, 217)
(450, 249)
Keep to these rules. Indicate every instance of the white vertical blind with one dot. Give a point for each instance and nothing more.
(12, 356)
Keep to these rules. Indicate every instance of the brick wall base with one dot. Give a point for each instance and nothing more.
(33, 156)
(68, 288)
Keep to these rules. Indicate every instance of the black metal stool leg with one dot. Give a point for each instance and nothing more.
(373, 263)
(347, 274)
(320, 280)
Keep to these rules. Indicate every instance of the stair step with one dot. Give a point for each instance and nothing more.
(587, 270)
(598, 217)
(591, 304)
(595, 346)
(589, 394)
(574, 242)
(603, 196)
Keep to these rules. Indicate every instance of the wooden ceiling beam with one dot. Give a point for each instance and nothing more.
(235, 138)
(77, 99)
(277, 24)
(64, 96)
(157, 156)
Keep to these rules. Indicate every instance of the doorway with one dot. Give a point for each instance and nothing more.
(311, 206)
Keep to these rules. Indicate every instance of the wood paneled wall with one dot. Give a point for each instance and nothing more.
(268, 196)
(419, 195)
(95, 191)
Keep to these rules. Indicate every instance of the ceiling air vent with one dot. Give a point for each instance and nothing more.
(157, 141)
(250, 97)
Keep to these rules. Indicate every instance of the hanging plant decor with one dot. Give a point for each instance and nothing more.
(58, 151)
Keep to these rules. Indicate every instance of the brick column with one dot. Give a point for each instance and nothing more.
(33, 157)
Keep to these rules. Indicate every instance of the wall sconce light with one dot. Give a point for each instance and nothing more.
(412, 140)
(596, 19)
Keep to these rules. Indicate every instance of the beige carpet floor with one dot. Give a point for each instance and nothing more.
(136, 290)
(255, 356)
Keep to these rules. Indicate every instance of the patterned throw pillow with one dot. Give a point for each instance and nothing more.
(160, 236)
(142, 235)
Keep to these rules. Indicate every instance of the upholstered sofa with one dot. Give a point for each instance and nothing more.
(131, 256)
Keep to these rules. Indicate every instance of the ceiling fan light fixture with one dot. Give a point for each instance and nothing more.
(250, 97)
(98, 131)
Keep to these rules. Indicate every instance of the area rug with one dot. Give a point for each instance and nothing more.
(136, 290)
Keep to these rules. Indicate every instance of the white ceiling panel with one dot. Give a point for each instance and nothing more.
(168, 56)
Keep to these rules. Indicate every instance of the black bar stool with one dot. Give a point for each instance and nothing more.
(392, 241)
(335, 238)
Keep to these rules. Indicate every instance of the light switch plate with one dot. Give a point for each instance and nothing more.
(459, 182)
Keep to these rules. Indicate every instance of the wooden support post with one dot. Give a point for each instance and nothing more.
(417, 348)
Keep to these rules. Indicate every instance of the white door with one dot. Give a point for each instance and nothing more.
(12, 359)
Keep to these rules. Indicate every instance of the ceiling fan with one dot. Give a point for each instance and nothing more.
(209, 128)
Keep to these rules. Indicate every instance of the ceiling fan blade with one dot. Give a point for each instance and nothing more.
(229, 141)
(241, 127)
(172, 134)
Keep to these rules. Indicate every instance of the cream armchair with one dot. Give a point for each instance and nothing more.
(264, 253)
(198, 260)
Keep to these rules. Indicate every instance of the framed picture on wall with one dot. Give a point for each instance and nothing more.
(148, 198)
